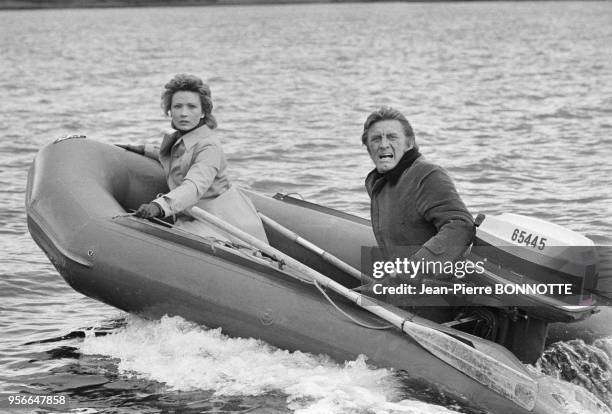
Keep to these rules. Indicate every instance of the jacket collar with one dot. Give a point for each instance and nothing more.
(189, 138)
(377, 179)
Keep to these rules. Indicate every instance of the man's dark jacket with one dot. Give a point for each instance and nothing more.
(416, 204)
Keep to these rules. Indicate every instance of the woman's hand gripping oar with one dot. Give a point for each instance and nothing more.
(505, 380)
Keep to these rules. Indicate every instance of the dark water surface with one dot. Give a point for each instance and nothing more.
(514, 99)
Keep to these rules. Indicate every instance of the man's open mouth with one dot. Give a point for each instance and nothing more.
(384, 156)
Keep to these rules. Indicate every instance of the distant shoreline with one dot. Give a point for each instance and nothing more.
(77, 4)
(100, 4)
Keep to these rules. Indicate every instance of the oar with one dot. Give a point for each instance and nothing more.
(515, 385)
(328, 257)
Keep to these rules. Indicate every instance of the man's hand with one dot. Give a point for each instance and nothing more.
(138, 149)
(148, 211)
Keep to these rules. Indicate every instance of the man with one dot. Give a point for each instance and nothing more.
(414, 202)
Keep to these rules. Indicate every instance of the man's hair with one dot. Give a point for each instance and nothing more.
(385, 113)
(190, 83)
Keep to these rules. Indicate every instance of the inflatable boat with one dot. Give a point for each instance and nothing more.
(80, 190)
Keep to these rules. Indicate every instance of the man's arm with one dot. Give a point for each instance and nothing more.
(439, 203)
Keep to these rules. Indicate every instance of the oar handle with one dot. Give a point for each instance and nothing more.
(361, 300)
(330, 258)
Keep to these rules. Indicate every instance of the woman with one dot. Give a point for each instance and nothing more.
(195, 165)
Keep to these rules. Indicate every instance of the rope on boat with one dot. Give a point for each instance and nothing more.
(363, 324)
(238, 247)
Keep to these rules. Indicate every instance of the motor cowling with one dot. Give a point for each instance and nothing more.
(538, 251)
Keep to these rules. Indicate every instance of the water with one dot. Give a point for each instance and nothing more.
(514, 99)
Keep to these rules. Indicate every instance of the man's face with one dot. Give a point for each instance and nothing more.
(386, 144)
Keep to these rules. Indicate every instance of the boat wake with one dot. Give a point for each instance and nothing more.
(186, 357)
(586, 365)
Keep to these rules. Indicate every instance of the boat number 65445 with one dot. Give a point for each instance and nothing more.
(528, 239)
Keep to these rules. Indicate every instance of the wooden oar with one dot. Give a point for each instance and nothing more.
(505, 380)
(328, 257)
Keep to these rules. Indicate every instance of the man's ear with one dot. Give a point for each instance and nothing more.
(410, 143)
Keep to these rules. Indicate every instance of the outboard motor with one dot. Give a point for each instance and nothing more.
(540, 273)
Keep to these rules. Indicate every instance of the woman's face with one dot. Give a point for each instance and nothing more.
(186, 110)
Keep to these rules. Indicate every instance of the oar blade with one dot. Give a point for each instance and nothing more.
(512, 384)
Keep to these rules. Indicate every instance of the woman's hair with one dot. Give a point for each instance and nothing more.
(387, 113)
(191, 83)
